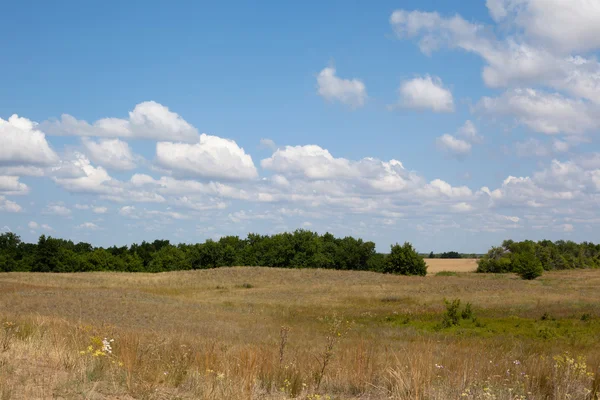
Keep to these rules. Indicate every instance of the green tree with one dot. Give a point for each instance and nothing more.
(527, 265)
(404, 260)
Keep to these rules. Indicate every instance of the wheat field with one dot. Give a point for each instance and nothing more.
(267, 333)
(435, 265)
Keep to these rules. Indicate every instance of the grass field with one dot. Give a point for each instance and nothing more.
(435, 265)
(262, 333)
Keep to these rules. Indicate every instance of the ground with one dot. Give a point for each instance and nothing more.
(254, 333)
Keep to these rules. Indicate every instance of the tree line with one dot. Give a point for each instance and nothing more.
(299, 249)
(530, 259)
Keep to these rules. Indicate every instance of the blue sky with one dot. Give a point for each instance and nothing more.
(449, 125)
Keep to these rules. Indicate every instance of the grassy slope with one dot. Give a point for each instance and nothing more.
(217, 334)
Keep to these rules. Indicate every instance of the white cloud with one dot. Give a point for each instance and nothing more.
(567, 227)
(532, 148)
(88, 179)
(127, 211)
(99, 210)
(22, 170)
(82, 206)
(454, 146)
(462, 207)
(23, 144)
(148, 120)
(9, 206)
(10, 185)
(351, 92)
(549, 113)
(33, 225)
(310, 161)
(560, 146)
(564, 26)
(211, 158)
(268, 144)
(57, 209)
(88, 225)
(512, 61)
(469, 132)
(426, 93)
(438, 187)
(110, 153)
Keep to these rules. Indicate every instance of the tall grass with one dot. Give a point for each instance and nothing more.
(261, 343)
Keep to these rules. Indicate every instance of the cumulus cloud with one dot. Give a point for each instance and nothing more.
(549, 113)
(57, 209)
(351, 92)
(211, 158)
(100, 210)
(426, 93)
(88, 225)
(87, 179)
(564, 26)
(23, 144)
(469, 132)
(110, 153)
(453, 146)
(516, 59)
(148, 120)
(35, 226)
(10, 185)
(268, 144)
(9, 206)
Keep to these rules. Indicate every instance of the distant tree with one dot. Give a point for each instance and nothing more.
(431, 255)
(450, 254)
(405, 260)
(527, 265)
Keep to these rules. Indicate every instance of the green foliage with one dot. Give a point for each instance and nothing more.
(299, 249)
(527, 265)
(451, 317)
(519, 256)
(405, 260)
(450, 254)
(467, 312)
(446, 273)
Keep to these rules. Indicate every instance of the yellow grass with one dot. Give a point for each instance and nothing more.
(217, 334)
(454, 265)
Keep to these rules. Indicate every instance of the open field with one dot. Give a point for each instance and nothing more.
(266, 333)
(435, 265)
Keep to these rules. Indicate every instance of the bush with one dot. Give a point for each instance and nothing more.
(527, 265)
(451, 317)
(404, 260)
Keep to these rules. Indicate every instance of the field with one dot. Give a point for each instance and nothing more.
(435, 265)
(267, 333)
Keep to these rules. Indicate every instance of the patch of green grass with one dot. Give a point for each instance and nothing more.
(446, 273)
(568, 329)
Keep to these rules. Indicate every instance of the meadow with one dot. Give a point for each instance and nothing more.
(270, 333)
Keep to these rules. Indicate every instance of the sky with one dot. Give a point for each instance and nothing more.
(451, 125)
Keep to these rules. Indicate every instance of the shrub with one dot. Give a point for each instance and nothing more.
(527, 265)
(467, 313)
(405, 260)
(451, 317)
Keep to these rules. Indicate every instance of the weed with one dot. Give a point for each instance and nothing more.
(451, 317)
(467, 312)
(585, 317)
(335, 332)
(246, 286)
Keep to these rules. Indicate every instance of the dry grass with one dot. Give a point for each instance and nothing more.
(435, 265)
(259, 333)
